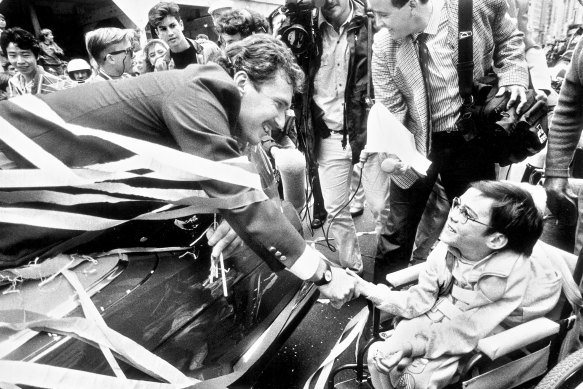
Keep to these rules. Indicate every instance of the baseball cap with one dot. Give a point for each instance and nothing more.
(219, 4)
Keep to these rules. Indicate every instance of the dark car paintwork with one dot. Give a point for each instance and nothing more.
(161, 301)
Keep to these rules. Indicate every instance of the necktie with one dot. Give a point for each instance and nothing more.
(424, 58)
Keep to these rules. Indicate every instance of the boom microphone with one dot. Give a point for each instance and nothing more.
(292, 167)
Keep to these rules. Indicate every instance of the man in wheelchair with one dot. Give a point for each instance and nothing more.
(478, 279)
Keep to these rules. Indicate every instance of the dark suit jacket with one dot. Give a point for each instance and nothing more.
(194, 110)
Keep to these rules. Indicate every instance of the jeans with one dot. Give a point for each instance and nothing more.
(335, 171)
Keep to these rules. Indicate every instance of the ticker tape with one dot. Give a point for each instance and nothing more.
(82, 222)
(46, 376)
(351, 331)
(156, 157)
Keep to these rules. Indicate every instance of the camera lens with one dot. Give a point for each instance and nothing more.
(297, 38)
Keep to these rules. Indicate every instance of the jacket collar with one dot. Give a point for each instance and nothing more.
(499, 263)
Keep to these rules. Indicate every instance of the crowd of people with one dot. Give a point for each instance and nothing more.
(476, 233)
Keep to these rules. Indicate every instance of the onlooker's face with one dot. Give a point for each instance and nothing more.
(139, 63)
(463, 229)
(170, 30)
(336, 11)
(263, 107)
(49, 37)
(23, 61)
(120, 55)
(217, 13)
(399, 21)
(156, 51)
(230, 39)
(80, 75)
(11, 69)
(2, 23)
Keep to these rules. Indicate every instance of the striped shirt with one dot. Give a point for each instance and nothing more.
(444, 95)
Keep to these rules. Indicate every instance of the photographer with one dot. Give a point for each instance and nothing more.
(333, 113)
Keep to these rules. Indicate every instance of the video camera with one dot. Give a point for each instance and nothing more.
(295, 24)
(510, 137)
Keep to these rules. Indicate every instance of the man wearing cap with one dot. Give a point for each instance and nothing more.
(218, 8)
(165, 17)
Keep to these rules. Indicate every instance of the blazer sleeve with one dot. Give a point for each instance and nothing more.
(384, 86)
(509, 58)
(202, 117)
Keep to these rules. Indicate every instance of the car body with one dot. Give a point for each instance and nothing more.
(162, 299)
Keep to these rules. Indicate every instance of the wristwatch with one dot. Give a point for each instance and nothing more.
(326, 277)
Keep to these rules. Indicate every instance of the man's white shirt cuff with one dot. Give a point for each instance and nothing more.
(307, 264)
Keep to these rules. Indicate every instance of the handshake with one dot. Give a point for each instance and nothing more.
(345, 286)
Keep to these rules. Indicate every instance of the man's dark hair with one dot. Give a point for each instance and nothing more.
(262, 57)
(513, 214)
(21, 38)
(401, 3)
(242, 21)
(161, 10)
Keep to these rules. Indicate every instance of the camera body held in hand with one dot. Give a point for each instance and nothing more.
(509, 137)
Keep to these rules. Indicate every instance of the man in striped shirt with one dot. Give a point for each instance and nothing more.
(424, 96)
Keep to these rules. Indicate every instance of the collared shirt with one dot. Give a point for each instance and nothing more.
(444, 95)
(42, 83)
(102, 76)
(330, 81)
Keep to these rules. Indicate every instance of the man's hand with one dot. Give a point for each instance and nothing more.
(223, 240)
(517, 95)
(390, 354)
(361, 287)
(340, 290)
(393, 165)
(561, 200)
(541, 95)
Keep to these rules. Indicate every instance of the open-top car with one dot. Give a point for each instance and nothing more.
(222, 331)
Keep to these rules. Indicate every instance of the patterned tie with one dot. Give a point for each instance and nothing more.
(424, 59)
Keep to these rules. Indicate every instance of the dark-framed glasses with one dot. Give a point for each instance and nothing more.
(464, 214)
(127, 51)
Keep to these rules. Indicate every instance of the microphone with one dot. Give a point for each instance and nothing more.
(292, 167)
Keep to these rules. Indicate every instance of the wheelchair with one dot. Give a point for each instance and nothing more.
(534, 354)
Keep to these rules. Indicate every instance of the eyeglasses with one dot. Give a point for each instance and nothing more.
(463, 212)
(127, 51)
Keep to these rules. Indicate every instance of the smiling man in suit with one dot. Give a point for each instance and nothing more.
(427, 101)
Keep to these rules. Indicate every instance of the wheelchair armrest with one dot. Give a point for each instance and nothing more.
(517, 337)
(405, 276)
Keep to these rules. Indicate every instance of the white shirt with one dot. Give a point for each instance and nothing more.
(330, 80)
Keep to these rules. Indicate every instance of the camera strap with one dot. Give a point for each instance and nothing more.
(465, 66)
(369, 98)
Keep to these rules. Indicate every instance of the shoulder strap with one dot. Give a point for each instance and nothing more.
(369, 99)
(465, 66)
